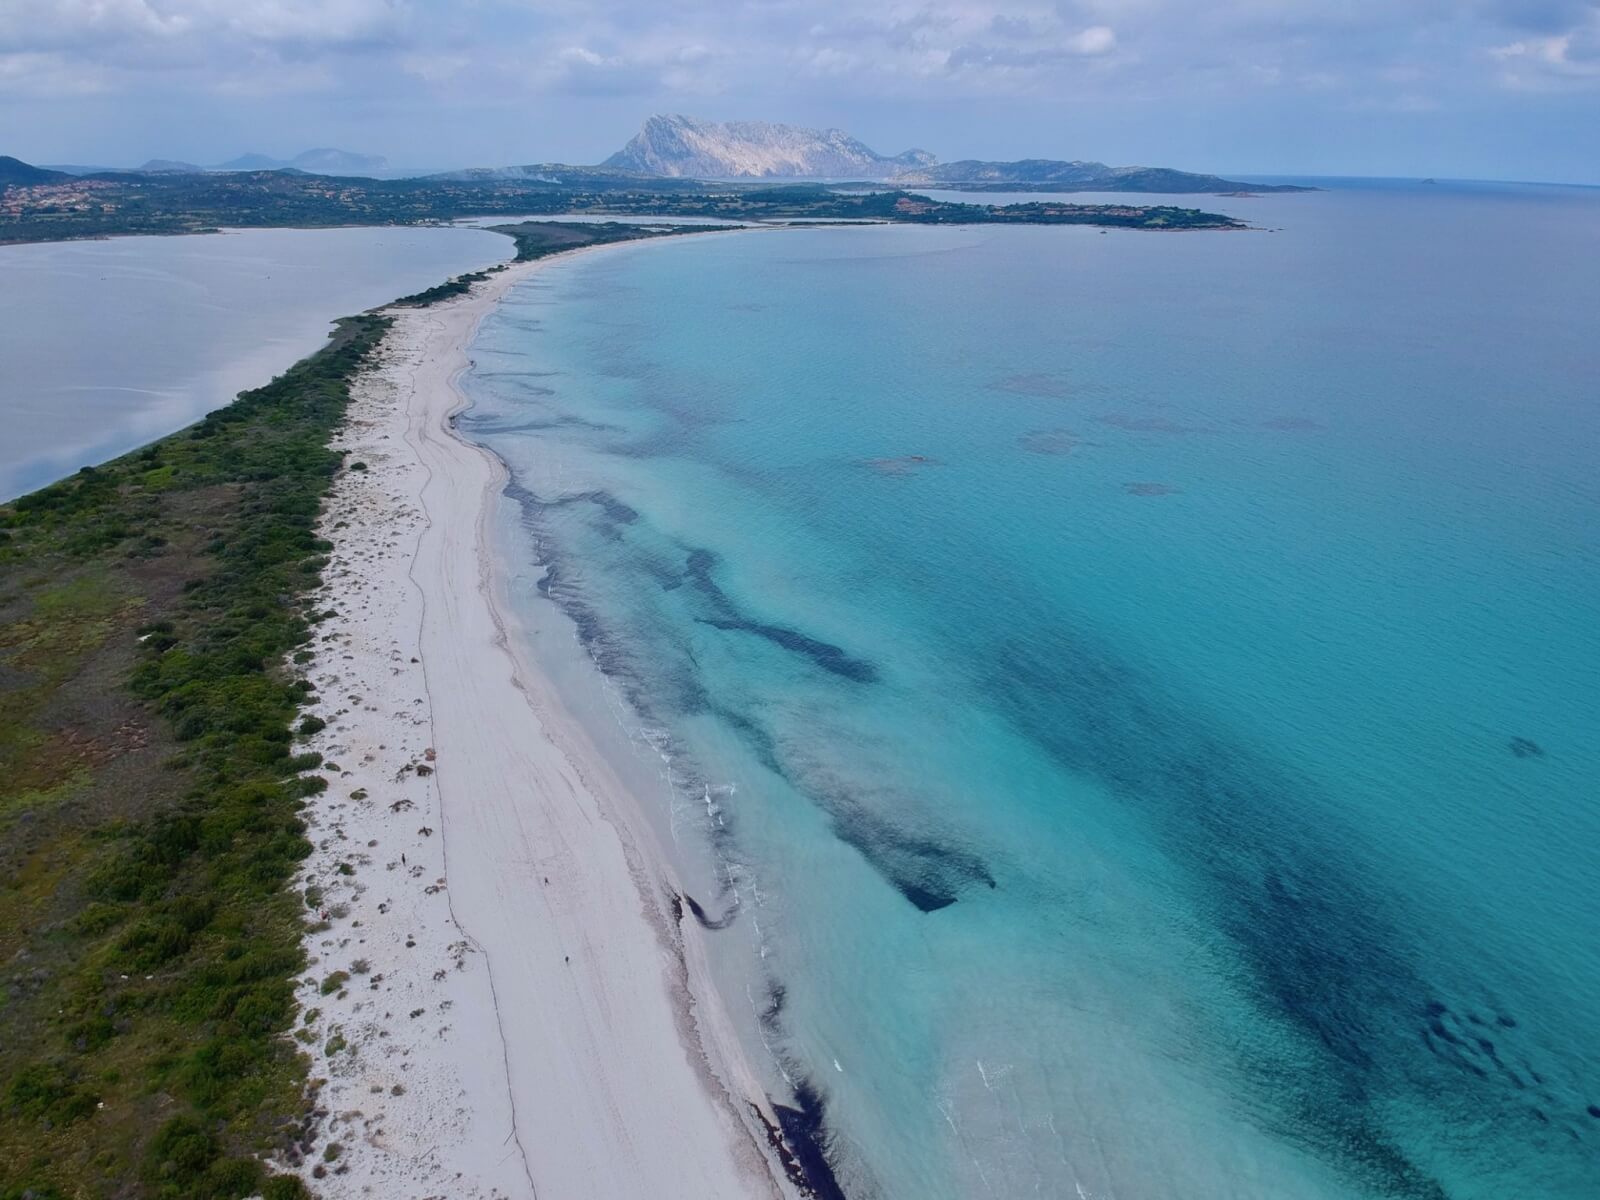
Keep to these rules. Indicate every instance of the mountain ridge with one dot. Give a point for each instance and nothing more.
(1077, 175)
(15, 171)
(324, 160)
(672, 145)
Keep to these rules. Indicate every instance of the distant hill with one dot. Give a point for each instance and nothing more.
(553, 173)
(328, 161)
(563, 175)
(682, 146)
(325, 161)
(15, 171)
(1053, 175)
(252, 162)
(170, 165)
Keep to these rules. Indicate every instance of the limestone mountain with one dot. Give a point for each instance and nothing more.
(682, 146)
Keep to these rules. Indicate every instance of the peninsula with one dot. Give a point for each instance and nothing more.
(311, 881)
(39, 205)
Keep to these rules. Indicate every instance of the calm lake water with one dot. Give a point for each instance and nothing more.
(1131, 699)
(106, 345)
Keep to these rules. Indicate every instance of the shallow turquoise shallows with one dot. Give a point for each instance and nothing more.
(1128, 701)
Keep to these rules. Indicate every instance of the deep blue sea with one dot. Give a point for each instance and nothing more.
(1131, 702)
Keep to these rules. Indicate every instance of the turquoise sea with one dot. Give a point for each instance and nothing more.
(1128, 703)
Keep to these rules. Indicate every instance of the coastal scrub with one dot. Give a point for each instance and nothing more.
(149, 800)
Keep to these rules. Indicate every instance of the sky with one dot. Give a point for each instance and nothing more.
(1490, 89)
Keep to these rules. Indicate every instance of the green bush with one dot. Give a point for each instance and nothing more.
(179, 1154)
(195, 896)
(47, 1092)
(284, 1187)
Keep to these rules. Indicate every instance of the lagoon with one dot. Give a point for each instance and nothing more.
(106, 345)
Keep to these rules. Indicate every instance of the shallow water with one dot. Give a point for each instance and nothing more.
(1138, 691)
(106, 345)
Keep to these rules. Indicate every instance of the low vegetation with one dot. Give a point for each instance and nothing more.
(150, 801)
(460, 285)
(537, 239)
(124, 203)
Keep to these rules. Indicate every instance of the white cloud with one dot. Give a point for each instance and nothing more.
(1554, 61)
(1097, 39)
(47, 75)
(83, 24)
(434, 68)
(834, 51)
(70, 46)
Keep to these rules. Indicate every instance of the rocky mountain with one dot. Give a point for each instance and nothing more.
(679, 146)
(15, 171)
(683, 146)
(1053, 175)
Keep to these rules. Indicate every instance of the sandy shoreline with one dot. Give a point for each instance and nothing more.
(501, 1002)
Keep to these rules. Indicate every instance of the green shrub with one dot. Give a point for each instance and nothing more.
(151, 943)
(96, 918)
(284, 1187)
(195, 895)
(48, 1092)
(178, 1156)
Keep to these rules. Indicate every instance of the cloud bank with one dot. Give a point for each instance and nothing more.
(377, 66)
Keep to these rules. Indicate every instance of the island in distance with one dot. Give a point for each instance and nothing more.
(673, 145)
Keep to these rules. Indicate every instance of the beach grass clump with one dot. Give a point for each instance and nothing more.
(458, 286)
(150, 800)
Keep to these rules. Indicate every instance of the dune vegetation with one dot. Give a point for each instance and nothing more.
(149, 800)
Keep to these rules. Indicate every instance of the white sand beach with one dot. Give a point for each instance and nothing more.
(522, 1015)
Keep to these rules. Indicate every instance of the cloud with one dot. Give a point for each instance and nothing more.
(1097, 39)
(87, 24)
(1539, 16)
(641, 69)
(46, 75)
(73, 45)
(965, 47)
(580, 71)
(1566, 59)
(814, 60)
